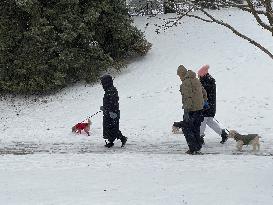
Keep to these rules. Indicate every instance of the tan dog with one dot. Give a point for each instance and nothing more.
(176, 130)
(82, 126)
(250, 139)
(177, 127)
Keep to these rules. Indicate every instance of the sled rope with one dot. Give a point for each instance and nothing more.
(220, 123)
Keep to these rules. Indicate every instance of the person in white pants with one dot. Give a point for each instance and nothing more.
(208, 82)
(212, 124)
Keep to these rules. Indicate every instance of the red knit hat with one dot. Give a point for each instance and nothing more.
(203, 70)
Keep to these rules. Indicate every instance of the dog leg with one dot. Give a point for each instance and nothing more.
(254, 146)
(173, 130)
(87, 132)
(239, 145)
(87, 129)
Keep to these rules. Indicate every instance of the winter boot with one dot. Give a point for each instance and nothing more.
(189, 152)
(109, 144)
(224, 137)
(197, 153)
(123, 141)
(194, 152)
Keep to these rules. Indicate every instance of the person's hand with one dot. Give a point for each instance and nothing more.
(101, 108)
(113, 115)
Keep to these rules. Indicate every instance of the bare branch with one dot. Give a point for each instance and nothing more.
(258, 19)
(200, 18)
(253, 42)
(269, 11)
(185, 14)
(172, 23)
(243, 7)
(193, 5)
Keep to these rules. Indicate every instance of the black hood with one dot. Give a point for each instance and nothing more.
(207, 79)
(106, 81)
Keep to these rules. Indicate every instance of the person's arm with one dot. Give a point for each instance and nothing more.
(187, 95)
(112, 104)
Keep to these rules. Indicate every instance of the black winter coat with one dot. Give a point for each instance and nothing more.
(208, 82)
(111, 101)
(110, 104)
(110, 98)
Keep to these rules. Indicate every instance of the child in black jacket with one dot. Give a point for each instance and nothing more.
(111, 113)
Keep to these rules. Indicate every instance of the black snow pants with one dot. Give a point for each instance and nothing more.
(191, 129)
(111, 130)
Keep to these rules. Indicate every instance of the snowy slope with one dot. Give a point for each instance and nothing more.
(152, 168)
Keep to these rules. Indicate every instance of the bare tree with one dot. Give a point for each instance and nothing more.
(261, 10)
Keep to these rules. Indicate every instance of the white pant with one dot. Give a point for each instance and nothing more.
(212, 124)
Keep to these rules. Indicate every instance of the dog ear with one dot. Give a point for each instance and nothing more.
(89, 121)
(231, 133)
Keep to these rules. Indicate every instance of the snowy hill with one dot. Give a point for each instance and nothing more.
(152, 169)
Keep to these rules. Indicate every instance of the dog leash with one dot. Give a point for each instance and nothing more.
(92, 115)
(220, 123)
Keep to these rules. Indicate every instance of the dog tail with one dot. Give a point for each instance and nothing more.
(73, 128)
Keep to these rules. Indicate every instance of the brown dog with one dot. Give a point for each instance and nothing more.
(82, 126)
(250, 139)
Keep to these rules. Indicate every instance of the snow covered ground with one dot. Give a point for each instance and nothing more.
(51, 165)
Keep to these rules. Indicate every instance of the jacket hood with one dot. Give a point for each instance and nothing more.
(190, 74)
(106, 81)
(181, 72)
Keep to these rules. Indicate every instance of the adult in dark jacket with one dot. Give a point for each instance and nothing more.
(111, 113)
(208, 82)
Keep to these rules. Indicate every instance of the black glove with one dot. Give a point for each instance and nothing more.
(101, 108)
(206, 105)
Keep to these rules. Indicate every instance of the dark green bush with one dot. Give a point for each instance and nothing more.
(46, 45)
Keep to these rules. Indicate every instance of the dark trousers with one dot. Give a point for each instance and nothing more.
(191, 130)
(111, 129)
